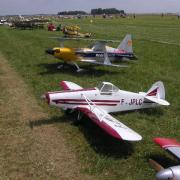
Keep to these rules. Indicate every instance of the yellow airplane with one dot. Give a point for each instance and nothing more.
(73, 31)
(99, 54)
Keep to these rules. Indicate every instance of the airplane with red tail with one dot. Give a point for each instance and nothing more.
(98, 102)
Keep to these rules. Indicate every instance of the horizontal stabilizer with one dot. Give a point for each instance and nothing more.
(88, 60)
(67, 85)
(157, 100)
(101, 63)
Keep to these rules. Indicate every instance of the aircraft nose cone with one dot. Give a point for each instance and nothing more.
(46, 97)
(164, 174)
(49, 51)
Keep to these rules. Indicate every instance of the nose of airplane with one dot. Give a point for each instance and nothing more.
(46, 97)
(164, 174)
(50, 51)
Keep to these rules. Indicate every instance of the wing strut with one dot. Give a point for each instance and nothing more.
(106, 58)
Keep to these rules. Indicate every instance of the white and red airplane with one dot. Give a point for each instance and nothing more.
(106, 98)
(172, 146)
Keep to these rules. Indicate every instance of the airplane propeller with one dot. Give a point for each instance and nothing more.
(163, 174)
(155, 165)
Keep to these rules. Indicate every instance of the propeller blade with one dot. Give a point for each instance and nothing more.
(155, 165)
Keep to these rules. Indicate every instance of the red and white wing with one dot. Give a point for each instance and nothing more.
(109, 124)
(171, 145)
(67, 85)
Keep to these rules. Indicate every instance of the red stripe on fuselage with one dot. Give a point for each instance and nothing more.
(99, 104)
(83, 100)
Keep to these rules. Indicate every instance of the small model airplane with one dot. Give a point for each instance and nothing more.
(98, 102)
(73, 31)
(172, 146)
(99, 54)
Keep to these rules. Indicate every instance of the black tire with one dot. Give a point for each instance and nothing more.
(77, 117)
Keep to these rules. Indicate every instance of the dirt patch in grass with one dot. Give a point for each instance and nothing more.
(26, 153)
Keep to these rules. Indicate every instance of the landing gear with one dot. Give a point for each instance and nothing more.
(77, 117)
(62, 66)
(78, 68)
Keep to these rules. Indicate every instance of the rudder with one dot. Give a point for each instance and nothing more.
(157, 90)
(126, 44)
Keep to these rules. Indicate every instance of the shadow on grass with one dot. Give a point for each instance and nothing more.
(41, 122)
(101, 142)
(104, 144)
(158, 112)
(71, 69)
(164, 161)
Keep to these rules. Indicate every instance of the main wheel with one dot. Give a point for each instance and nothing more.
(77, 117)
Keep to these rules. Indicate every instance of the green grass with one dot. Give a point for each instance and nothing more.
(100, 154)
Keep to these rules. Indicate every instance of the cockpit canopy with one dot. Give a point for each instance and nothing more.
(106, 87)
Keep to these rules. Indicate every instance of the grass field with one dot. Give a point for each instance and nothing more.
(99, 154)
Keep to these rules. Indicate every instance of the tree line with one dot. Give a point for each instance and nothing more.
(72, 13)
(93, 12)
(107, 11)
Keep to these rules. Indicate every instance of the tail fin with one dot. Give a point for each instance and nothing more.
(157, 90)
(156, 94)
(126, 44)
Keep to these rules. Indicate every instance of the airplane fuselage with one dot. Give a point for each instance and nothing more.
(110, 102)
(72, 55)
(113, 53)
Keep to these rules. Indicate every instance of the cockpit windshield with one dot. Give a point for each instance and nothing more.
(105, 87)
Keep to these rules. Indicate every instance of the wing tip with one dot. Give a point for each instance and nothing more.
(136, 137)
(166, 142)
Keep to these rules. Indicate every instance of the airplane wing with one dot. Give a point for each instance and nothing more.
(99, 46)
(171, 145)
(67, 85)
(108, 123)
(106, 61)
(85, 39)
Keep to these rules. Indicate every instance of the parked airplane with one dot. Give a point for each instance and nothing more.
(73, 31)
(98, 102)
(99, 54)
(172, 146)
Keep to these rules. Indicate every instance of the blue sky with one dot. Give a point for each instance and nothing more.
(54, 6)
